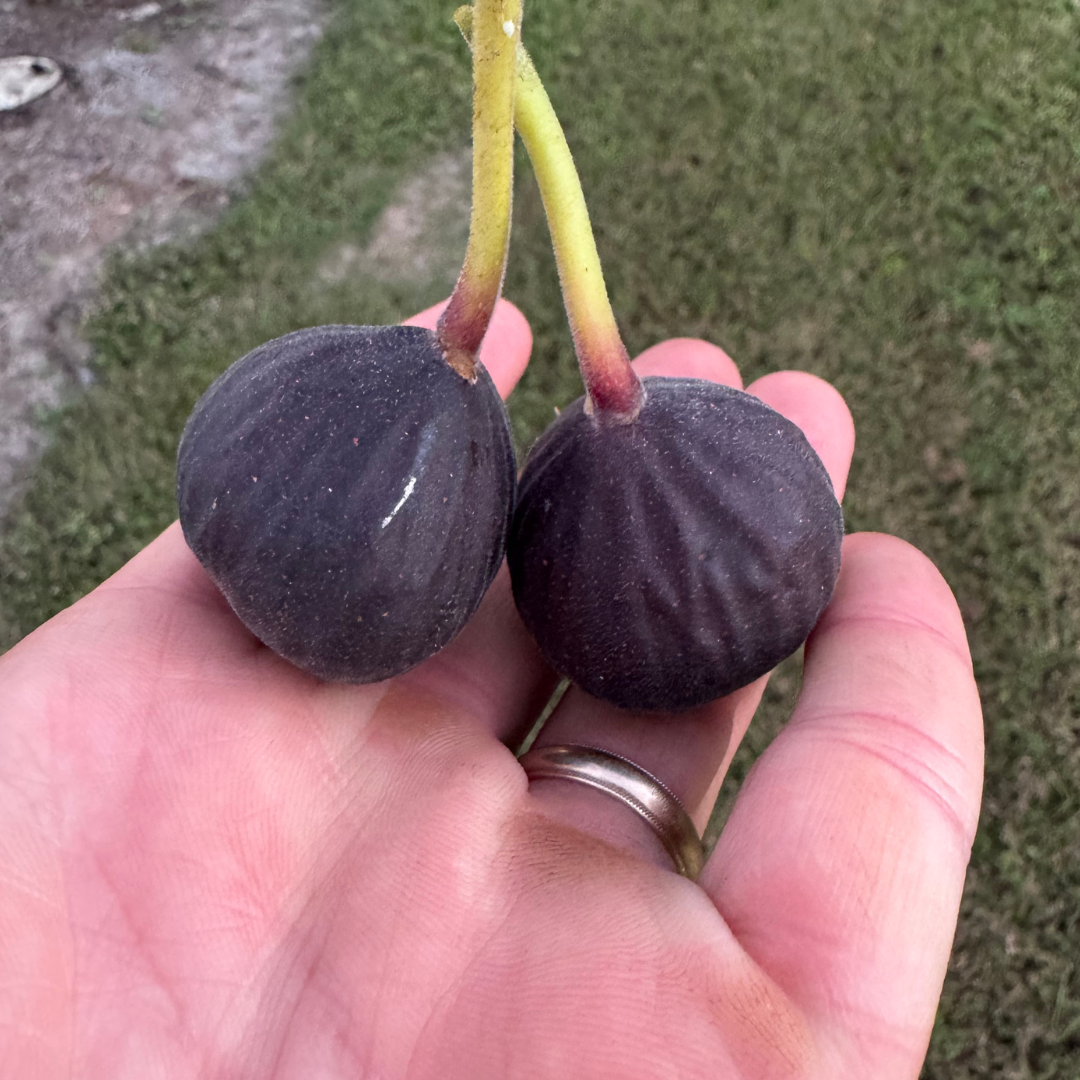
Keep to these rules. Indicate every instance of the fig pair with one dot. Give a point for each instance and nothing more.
(352, 496)
(351, 490)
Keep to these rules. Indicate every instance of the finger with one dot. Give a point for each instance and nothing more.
(689, 358)
(841, 867)
(506, 346)
(691, 751)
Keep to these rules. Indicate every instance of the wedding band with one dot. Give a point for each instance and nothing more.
(632, 786)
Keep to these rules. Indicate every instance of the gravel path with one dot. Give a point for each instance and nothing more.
(163, 108)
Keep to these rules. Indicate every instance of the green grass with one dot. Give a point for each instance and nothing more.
(884, 193)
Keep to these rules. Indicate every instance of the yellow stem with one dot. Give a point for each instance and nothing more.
(496, 30)
(613, 388)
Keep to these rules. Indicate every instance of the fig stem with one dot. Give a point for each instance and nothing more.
(614, 390)
(461, 328)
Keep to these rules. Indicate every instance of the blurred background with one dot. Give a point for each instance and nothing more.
(883, 192)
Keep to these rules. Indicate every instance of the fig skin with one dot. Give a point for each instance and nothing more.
(665, 562)
(350, 494)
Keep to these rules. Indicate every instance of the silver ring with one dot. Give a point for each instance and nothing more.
(632, 786)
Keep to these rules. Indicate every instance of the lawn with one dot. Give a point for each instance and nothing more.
(884, 193)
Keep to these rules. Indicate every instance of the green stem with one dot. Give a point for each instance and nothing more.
(613, 388)
(497, 30)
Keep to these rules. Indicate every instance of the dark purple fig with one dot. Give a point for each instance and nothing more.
(350, 494)
(667, 561)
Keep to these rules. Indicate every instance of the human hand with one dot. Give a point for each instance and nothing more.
(212, 865)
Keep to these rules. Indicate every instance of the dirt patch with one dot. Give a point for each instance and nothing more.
(422, 233)
(163, 106)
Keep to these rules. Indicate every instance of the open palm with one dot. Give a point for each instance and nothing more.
(212, 865)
